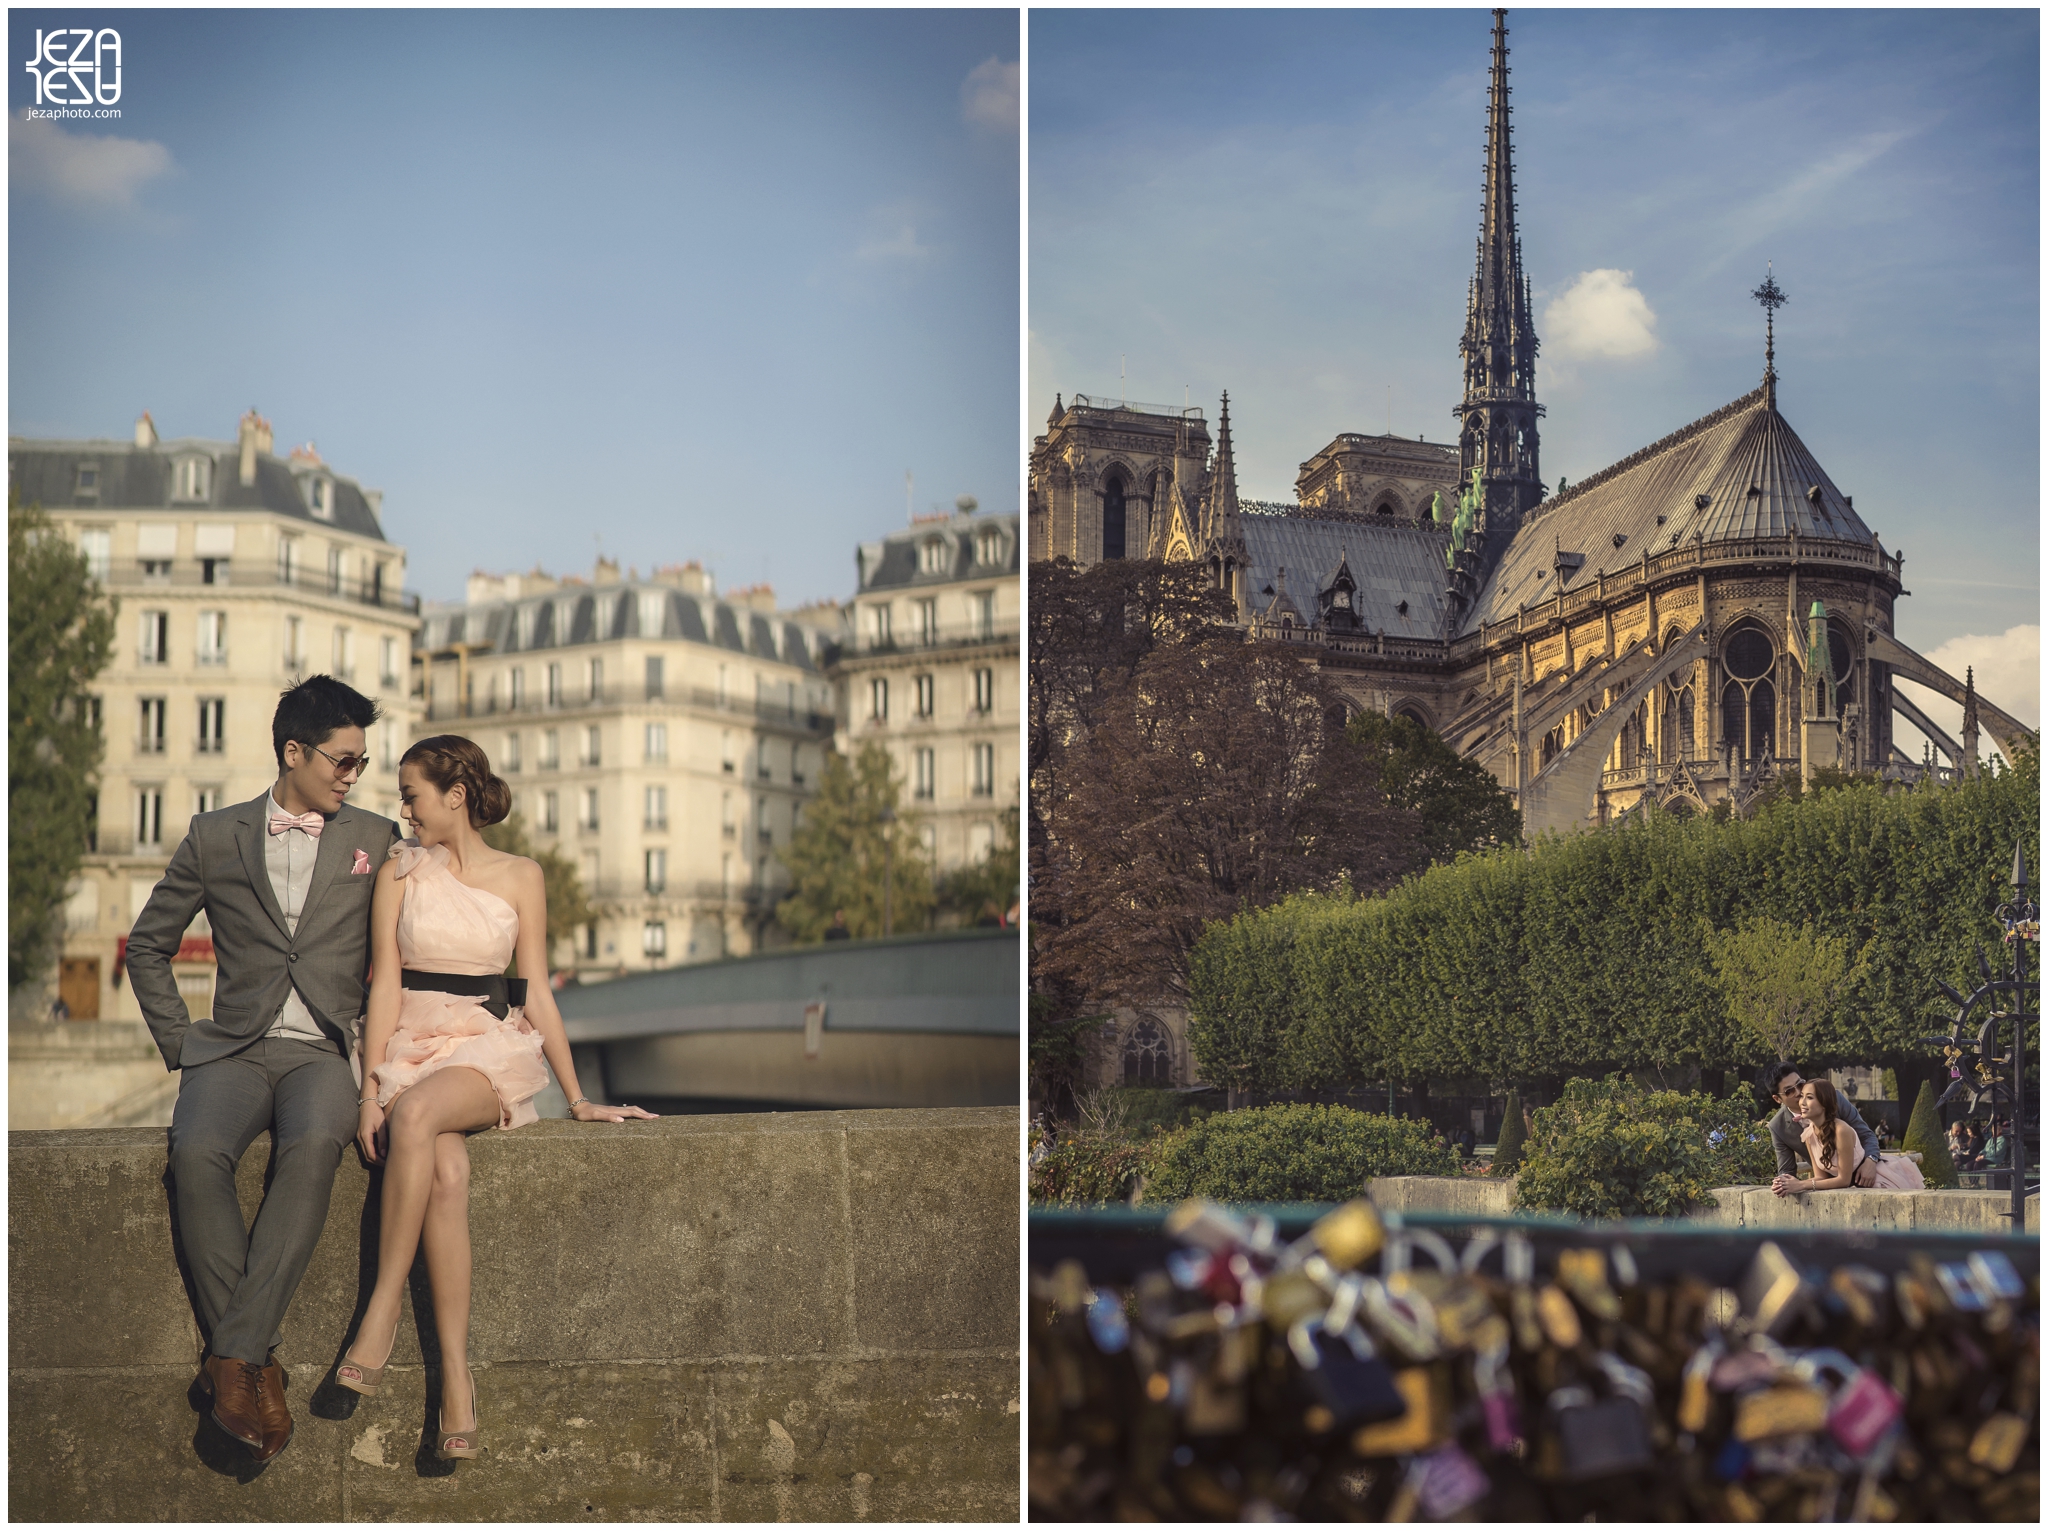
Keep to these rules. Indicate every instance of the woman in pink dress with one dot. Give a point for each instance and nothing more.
(1836, 1151)
(451, 1047)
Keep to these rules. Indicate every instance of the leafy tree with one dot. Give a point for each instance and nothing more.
(1212, 781)
(569, 905)
(1925, 1137)
(986, 891)
(60, 633)
(1057, 1053)
(836, 858)
(1779, 980)
(1507, 1153)
(1461, 806)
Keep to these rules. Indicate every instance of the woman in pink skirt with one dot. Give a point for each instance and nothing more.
(1836, 1151)
(451, 1047)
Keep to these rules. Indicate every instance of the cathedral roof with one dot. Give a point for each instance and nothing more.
(1735, 475)
(1393, 561)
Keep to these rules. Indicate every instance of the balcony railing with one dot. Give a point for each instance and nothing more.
(701, 698)
(186, 575)
(920, 644)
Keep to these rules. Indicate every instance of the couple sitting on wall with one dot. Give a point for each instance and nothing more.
(1842, 1148)
(317, 907)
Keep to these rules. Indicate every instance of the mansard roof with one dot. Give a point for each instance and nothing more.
(139, 478)
(1735, 475)
(1392, 560)
(894, 561)
(572, 615)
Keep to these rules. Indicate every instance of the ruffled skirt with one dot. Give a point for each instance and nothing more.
(437, 1031)
(1895, 1173)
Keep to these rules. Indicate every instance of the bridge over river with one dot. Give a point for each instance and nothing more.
(918, 1020)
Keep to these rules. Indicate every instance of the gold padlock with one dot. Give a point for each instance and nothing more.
(1559, 1318)
(1794, 1409)
(1351, 1235)
(1583, 1273)
(1997, 1443)
(1425, 1426)
(1289, 1296)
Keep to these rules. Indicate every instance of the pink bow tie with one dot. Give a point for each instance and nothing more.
(311, 823)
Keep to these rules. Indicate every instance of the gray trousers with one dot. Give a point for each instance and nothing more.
(245, 1278)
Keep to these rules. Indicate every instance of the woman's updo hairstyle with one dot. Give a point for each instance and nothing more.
(449, 761)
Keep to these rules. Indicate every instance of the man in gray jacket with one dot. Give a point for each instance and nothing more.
(285, 882)
(1783, 1082)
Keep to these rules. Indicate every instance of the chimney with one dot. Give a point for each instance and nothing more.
(252, 437)
(606, 572)
(691, 578)
(145, 431)
(483, 587)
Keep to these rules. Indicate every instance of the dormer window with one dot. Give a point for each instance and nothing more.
(931, 557)
(320, 496)
(1341, 599)
(89, 480)
(988, 547)
(192, 479)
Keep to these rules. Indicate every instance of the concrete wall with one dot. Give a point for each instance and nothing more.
(806, 1316)
(1740, 1206)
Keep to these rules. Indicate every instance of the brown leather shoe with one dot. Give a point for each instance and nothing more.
(232, 1385)
(270, 1408)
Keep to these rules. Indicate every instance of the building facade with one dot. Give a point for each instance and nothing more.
(1682, 628)
(238, 573)
(661, 737)
(930, 668)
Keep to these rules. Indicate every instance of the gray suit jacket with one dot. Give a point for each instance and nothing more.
(1786, 1129)
(219, 866)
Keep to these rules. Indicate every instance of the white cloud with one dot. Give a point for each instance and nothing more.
(988, 96)
(1600, 314)
(89, 170)
(898, 244)
(2008, 673)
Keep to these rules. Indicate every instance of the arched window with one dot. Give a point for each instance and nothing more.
(1113, 519)
(1148, 1056)
(1384, 508)
(1675, 737)
(1843, 657)
(1749, 702)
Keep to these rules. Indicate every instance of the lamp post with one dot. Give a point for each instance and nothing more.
(888, 819)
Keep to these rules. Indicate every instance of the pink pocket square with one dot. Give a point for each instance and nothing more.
(362, 866)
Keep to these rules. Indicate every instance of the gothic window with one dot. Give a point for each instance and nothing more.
(1843, 657)
(1384, 508)
(1113, 519)
(1749, 703)
(1148, 1056)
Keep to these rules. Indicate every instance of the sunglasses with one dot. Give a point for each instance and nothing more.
(344, 765)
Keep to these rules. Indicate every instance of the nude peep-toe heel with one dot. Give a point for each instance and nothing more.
(462, 1445)
(366, 1379)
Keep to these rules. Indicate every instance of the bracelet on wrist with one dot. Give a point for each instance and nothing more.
(581, 1100)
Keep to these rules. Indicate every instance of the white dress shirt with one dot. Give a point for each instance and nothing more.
(289, 859)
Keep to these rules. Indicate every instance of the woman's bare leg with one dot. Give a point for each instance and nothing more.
(453, 1100)
(445, 1237)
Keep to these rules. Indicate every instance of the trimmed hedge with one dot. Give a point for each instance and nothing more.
(1589, 952)
(1292, 1153)
(1088, 1169)
(1924, 1136)
(1610, 1148)
(1514, 1138)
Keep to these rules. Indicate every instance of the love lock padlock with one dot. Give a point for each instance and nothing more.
(1861, 1407)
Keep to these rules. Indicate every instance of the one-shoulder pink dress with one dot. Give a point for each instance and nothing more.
(446, 926)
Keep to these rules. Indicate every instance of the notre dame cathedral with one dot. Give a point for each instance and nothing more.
(1680, 627)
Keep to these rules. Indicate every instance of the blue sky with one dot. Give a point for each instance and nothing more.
(1285, 204)
(702, 284)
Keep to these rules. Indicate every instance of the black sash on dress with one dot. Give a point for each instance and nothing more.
(499, 993)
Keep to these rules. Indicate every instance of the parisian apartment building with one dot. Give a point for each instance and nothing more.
(930, 668)
(238, 573)
(659, 736)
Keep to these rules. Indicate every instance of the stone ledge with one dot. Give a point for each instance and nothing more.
(1741, 1206)
(809, 1315)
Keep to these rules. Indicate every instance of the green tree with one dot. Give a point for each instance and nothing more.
(1610, 1148)
(1779, 980)
(1925, 1137)
(1507, 1153)
(836, 858)
(569, 905)
(60, 632)
(988, 889)
(1462, 807)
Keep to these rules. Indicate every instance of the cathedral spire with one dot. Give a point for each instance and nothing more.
(1772, 297)
(1223, 520)
(1499, 412)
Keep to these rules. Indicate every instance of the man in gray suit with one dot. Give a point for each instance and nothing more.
(1783, 1082)
(285, 881)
